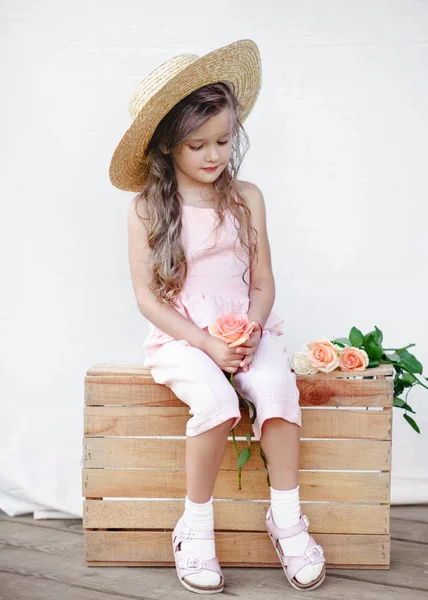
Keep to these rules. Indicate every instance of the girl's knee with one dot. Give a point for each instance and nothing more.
(227, 424)
(219, 425)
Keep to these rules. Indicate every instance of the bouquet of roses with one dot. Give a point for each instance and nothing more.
(357, 353)
(235, 329)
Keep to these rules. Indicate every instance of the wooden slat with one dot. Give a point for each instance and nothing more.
(128, 391)
(411, 530)
(233, 548)
(314, 390)
(134, 369)
(171, 421)
(328, 392)
(146, 453)
(243, 515)
(109, 383)
(321, 486)
(126, 563)
(412, 512)
(319, 391)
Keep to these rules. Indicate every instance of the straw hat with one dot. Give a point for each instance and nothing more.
(238, 63)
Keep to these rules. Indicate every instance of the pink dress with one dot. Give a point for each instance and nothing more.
(214, 282)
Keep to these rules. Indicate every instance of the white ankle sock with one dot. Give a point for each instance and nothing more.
(200, 517)
(286, 512)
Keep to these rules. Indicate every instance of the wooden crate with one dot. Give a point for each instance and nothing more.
(345, 463)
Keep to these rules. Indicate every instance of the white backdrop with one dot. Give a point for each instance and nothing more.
(339, 148)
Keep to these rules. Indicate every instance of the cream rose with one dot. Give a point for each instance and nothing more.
(300, 364)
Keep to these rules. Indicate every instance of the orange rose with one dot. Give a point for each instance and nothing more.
(323, 355)
(353, 359)
(233, 328)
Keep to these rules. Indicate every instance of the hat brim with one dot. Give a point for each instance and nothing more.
(238, 63)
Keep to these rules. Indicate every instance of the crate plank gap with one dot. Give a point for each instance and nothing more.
(134, 479)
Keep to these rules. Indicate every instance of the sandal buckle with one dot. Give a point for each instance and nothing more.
(184, 533)
(305, 520)
(314, 553)
(194, 563)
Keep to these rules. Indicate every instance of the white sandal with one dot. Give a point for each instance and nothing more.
(313, 554)
(187, 563)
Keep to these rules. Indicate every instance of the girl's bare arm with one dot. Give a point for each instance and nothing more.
(163, 316)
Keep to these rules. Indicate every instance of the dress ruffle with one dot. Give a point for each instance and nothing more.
(203, 310)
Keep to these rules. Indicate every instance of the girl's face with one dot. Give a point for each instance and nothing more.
(208, 146)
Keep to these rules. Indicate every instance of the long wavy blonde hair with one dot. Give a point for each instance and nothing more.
(162, 199)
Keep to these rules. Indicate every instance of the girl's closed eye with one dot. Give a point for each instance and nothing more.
(199, 147)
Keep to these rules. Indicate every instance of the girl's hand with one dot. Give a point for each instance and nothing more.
(228, 359)
(248, 349)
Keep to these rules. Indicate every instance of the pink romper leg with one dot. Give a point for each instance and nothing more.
(199, 382)
(270, 384)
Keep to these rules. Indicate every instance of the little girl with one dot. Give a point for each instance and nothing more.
(198, 247)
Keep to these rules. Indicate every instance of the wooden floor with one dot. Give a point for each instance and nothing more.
(44, 560)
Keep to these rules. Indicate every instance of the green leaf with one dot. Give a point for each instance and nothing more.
(372, 345)
(410, 361)
(398, 386)
(356, 338)
(400, 403)
(412, 423)
(342, 340)
(392, 356)
(398, 369)
(372, 363)
(235, 442)
(244, 457)
(408, 379)
(248, 436)
(380, 335)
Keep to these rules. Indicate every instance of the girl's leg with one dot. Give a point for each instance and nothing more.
(204, 453)
(271, 385)
(280, 443)
(199, 382)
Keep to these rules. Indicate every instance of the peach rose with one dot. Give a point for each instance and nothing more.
(323, 355)
(233, 328)
(353, 359)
